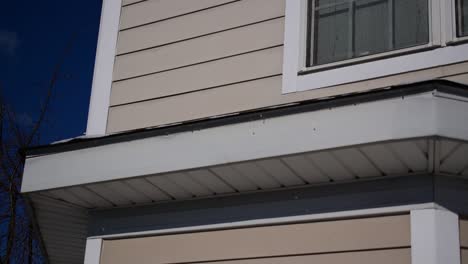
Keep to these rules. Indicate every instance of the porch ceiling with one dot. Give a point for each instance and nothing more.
(411, 130)
(62, 214)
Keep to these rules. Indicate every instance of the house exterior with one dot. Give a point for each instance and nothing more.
(265, 131)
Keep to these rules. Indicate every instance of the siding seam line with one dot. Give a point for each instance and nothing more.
(134, 3)
(195, 91)
(298, 255)
(196, 37)
(198, 63)
(176, 16)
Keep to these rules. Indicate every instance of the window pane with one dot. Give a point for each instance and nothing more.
(371, 27)
(331, 36)
(345, 29)
(462, 13)
(411, 23)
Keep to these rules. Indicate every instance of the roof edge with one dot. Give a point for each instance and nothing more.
(246, 116)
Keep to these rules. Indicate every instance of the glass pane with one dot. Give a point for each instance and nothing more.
(411, 23)
(345, 29)
(371, 27)
(462, 13)
(331, 32)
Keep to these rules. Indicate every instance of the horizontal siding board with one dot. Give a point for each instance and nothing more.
(311, 238)
(128, 2)
(464, 233)
(224, 44)
(391, 256)
(155, 10)
(229, 99)
(63, 228)
(461, 78)
(464, 256)
(207, 75)
(200, 23)
(247, 96)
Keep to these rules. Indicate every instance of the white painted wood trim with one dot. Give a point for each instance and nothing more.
(293, 55)
(103, 67)
(280, 220)
(434, 236)
(415, 116)
(93, 251)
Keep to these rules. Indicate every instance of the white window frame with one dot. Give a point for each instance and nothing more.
(454, 39)
(439, 51)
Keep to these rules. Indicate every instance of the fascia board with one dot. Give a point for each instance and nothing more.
(415, 116)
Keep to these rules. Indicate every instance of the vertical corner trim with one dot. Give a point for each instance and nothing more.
(93, 251)
(103, 67)
(434, 237)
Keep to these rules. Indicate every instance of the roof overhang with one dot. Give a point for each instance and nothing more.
(424, 110)
(385, 147)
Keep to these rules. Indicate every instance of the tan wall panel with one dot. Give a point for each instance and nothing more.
(215, 73)
(460, 78)
(345, 235)
(155, 10)
(218, 101)
(199, 23)
(246, 96)
(259, 36)
(464, 256)
(394, 256)
(127, 2)
(464, 233)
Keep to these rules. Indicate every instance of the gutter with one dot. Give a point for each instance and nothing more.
(449, 87)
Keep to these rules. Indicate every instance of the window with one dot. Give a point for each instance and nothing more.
(334, 42)
(462, 18)
(346, 29)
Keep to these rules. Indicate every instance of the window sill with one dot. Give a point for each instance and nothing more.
(367, 59)
(302, 81)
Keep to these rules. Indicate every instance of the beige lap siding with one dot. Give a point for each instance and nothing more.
(151, 11)
(129, 2)
(217, 73)
(183, 62)
(249, 95)
(369, 240)
(464, 240)
(206, 21)
(200, 50)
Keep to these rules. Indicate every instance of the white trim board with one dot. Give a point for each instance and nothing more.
(416, 116)
(279, 220)
(103, 67)
(294, 57)
(434, 237)
(93, 251)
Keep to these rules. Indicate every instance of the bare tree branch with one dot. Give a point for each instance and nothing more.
(20, 234)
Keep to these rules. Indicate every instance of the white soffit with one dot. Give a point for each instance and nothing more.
(416, 116)
(350, 164)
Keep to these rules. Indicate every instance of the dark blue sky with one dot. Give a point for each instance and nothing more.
(33, 35)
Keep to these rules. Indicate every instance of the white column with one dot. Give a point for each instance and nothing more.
(434, 237)
(93, 251)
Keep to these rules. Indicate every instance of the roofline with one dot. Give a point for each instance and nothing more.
(246, 116)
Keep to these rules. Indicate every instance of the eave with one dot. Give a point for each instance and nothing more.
(428, 110)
